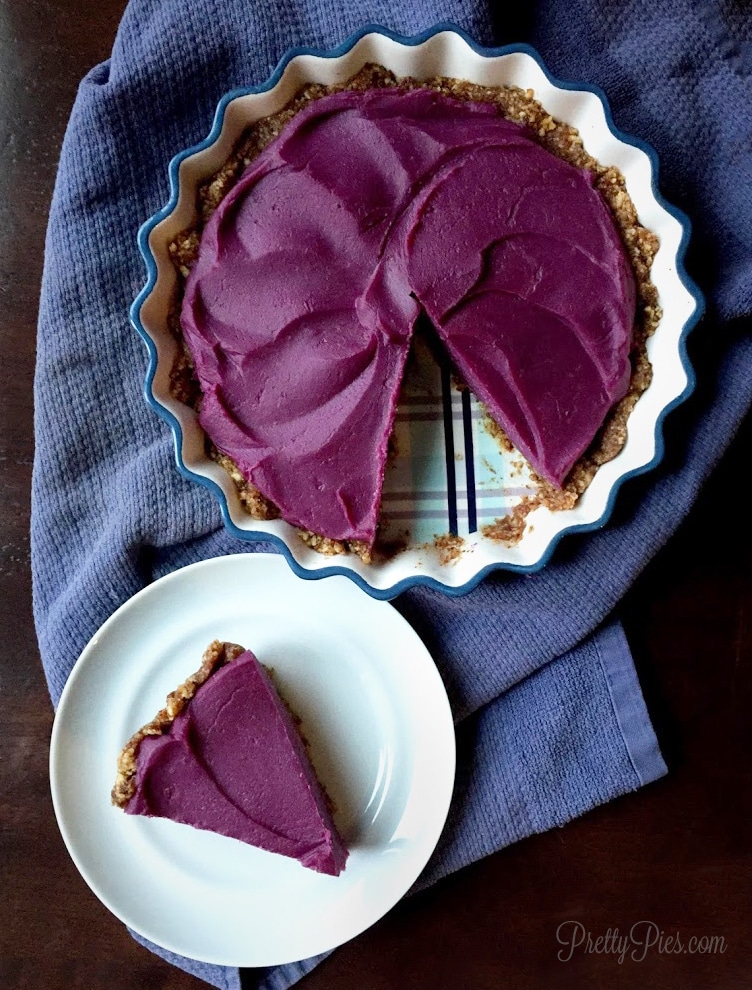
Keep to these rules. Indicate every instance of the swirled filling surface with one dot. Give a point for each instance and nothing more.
(232, 762)
(368, 208)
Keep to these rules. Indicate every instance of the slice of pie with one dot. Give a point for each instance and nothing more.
(226, 755)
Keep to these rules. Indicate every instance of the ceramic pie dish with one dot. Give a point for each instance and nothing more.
(450, 478)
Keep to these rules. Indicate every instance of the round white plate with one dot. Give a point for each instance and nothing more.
(376, 715)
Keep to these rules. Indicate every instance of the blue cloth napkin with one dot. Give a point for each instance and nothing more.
(550, 717)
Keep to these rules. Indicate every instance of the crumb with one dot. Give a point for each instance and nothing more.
(450, 547)
(510, 528)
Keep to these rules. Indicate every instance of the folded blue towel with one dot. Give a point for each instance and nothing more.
(550, 716)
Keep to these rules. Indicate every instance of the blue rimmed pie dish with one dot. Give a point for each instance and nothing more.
(450, 509)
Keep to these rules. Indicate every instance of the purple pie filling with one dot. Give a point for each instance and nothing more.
(312, 271)
(233, 762)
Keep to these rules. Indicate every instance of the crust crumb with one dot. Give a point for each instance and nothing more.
(332, 548)
(450, 547)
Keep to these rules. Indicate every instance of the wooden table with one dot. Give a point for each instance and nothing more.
(676, 856)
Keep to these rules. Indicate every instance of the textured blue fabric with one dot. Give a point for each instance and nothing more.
(550, 717)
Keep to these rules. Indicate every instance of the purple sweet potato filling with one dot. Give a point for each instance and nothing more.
(233, 762)
(313, 270)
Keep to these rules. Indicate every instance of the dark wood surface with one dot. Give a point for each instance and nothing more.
(677, 855)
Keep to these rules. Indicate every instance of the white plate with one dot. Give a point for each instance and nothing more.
(382, 737)
(458, 479)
